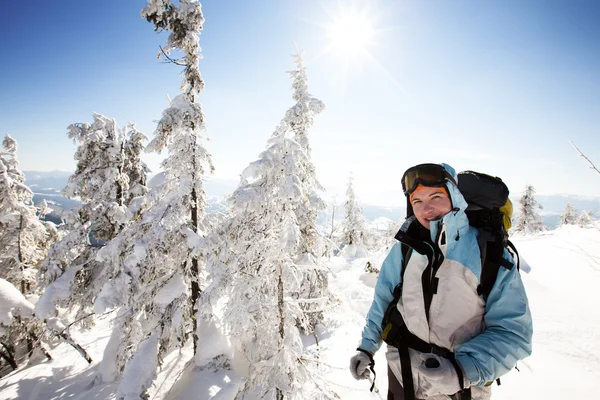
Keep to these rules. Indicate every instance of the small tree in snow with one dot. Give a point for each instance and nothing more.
(569, 215)
(156, 261)
(24, 242)
(585, 218)
(24, 239)
(355, 230)
(528, 220)
(107, 162)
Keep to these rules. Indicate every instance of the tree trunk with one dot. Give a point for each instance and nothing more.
(195, 268)
(20, 257)
(280, 305)
(32, 335)
(76, 346)
(8, 356)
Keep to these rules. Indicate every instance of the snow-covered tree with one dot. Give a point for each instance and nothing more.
(299, 119)
(355, 230)
(24, 239)
(102, 182)
(585, 218)
(156, 262)
(569, 215)
(528, 220)
(24, 242)
(256, 250)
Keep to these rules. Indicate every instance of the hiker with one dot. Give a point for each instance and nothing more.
(449, 341)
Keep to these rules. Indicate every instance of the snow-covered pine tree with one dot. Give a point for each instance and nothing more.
(156, 261)
(24, 242)
(585, 218)
(299, 118)
(569, 215)
(257, 249)
(101, 181)
(528, 220)
(24, 239)
(355, 230)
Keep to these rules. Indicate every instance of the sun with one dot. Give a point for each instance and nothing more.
(354, 34)
(351, 33)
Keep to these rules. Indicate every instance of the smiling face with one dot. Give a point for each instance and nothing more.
(430, 204)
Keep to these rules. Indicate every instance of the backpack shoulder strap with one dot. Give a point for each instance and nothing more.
(491, 247)
(513, 250)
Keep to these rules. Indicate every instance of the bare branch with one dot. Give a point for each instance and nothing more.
(170, 59)
(592, 166)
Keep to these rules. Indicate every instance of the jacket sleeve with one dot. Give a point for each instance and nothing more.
(389, 278)
(508, 333)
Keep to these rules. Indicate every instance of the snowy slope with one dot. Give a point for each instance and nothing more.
(563, 289)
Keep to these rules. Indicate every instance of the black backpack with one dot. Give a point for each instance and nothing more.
(489, 210)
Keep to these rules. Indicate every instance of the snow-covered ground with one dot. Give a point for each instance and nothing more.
(564, 293)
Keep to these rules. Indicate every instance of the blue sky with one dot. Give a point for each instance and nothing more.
(497, 86)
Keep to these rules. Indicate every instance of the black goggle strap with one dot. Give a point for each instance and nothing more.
(426, 174)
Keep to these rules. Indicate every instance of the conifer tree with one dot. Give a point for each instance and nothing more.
(24, 242)
(255, 270)
(569, 215)
(585, 218)
(101, 181)
(299, 118)
(355, 230)
(24, 239)
(528, 220)
(156, 261)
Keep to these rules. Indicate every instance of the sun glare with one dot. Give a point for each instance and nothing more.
(351, 33)
(354, 34)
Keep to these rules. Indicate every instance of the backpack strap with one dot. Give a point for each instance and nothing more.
(491, 246)
(515, 253)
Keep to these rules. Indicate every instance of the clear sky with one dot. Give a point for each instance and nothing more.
(495, 86)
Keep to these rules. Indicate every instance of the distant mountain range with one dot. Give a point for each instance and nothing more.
(48, 185)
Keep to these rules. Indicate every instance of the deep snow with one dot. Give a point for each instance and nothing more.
(563, 290)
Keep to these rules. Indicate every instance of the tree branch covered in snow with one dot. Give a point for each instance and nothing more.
(592, 166)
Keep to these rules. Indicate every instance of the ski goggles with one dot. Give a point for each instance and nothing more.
(425, 174)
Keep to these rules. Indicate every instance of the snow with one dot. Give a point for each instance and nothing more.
(12, 303)
(562, 290)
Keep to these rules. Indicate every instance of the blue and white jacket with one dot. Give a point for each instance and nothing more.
(487, 337)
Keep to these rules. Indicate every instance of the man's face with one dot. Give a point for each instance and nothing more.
(429, 204)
